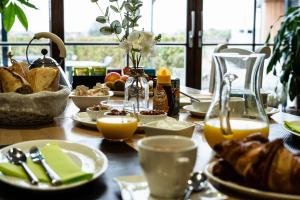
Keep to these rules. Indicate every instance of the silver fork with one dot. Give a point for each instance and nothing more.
(37, 157)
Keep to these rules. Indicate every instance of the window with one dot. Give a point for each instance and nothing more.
(240, 23)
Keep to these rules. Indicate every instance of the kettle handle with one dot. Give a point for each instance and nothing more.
(55, 39)
(52, 37)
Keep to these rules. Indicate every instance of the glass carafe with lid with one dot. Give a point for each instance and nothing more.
(236, 110)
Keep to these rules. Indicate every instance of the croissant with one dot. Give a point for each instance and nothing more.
(262, 164)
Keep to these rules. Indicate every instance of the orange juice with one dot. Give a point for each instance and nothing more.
(241, 128)
(117, 127)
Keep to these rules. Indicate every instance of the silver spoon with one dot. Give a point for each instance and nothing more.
(196, 183)
(37, 157)
(18, 157)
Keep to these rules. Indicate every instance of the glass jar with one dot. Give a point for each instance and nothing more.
(236, 110)
(137, 89)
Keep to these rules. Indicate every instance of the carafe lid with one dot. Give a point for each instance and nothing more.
(163, 76)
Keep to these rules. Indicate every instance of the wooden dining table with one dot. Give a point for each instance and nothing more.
(122, 156)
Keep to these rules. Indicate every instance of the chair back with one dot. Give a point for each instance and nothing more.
(223, 48)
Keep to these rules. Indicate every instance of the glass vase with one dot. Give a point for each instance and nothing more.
(137, 89)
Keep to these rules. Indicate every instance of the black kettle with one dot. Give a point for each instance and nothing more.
(48, 61)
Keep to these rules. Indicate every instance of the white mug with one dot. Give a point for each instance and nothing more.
(167, 162)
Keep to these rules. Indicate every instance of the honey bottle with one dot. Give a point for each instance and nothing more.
(163, 97)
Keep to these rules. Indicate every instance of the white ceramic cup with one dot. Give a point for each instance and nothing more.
(167, 162)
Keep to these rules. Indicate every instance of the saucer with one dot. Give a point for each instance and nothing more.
(136, 188)
(194, 112)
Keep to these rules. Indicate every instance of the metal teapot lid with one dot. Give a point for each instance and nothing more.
(44, 62)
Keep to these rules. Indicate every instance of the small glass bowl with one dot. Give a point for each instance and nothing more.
(117, 128)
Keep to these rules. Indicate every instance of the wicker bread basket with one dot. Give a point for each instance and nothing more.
(32, 109)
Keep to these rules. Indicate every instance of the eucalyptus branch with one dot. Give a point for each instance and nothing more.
(100, 9)
(119, 11)
(108, 20)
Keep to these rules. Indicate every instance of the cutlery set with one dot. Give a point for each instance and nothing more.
(18, 157)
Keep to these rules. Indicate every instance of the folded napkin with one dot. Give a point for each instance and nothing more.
(293, 126)
(59, 161)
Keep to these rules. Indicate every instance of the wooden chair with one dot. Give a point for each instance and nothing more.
(222, 48)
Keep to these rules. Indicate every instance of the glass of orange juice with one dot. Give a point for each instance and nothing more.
(117, 128)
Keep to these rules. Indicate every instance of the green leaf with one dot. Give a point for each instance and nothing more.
(106, 30)
(93, 1)
(123, 4)
(21, 16)
(116, 26)
(9, 17)
(26, 3)
(114, 8)
(3, 5)
(101, 19)
(107, 11)
(113, 0)
(128, 7)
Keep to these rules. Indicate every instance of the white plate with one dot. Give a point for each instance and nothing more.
(193, 111)
(246, 190)
(84, 119)
(291, 131)
(271, 111)
(90, 160)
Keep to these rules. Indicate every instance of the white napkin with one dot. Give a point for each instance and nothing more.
(136, 188)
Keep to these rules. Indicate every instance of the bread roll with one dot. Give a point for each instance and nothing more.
(44, 79)
(13, 82)
(20, 68)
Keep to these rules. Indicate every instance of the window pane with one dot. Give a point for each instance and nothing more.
(101, 54)
(80, 21)
(227, 21)
(160, 23)
(266, 15)
(38, 21)
(169, 19)
(170, 57)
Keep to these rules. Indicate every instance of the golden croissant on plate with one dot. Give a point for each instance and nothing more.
(262, 164)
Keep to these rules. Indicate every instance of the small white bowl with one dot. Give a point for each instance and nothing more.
(83, 102)
(153, 129)
(144, 119)
(95, 114)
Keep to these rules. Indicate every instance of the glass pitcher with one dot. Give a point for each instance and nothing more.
(236, 110)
